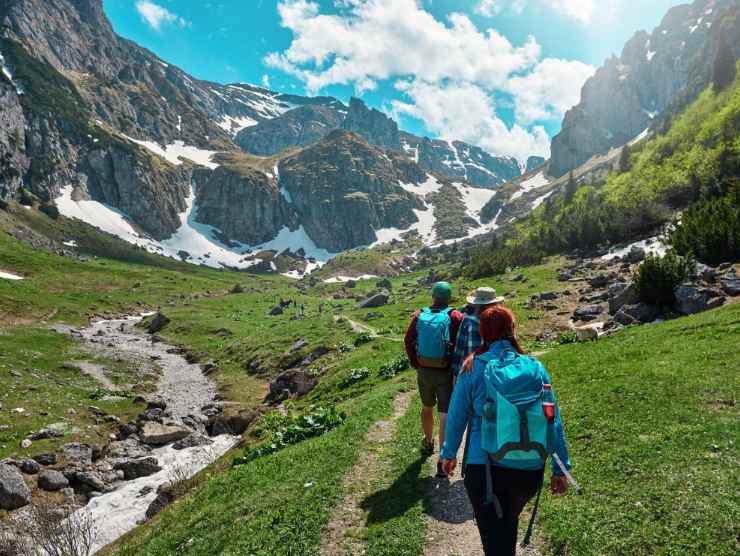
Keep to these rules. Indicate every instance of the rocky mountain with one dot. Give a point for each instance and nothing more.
(534, 162)
(377, 128)
(654, 70)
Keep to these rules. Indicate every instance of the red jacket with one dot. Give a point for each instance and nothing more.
(411, 335)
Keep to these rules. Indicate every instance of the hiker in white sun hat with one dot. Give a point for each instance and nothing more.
(468, 339)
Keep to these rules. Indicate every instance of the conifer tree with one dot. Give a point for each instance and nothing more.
(624, 160)
(570, 187)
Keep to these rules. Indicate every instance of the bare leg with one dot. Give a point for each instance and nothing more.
(442, 423)
(427, 423)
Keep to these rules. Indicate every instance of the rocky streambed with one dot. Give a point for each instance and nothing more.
(180, 431)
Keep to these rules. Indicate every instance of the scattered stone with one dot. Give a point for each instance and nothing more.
(158, 323)
(636, 314)
(77, 453)
(564, 276)
(599, 281)
(164, 497)
(730, 285)
(192, 441)
(46, 459)
(155, 415)
(26, 443)
(636, 255)
(209, 367)
(621, 294)
(237, 289)
(374, 301)
(136, 468)
(588, 312)
(296, 382)
(299, 345)
(30, 467)
(14, 493)
(548, 296)
(156, 403)
(51, 480)
(691, 300)
(276, 310)
(314, 355)
(231, 424)
(519, 278)
(156, 434)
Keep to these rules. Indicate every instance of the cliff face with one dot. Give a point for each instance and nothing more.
(245, 206)
(627, 93)
(343, 189)
(13, 160)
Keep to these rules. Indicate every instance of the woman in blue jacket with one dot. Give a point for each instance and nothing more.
(513, 487)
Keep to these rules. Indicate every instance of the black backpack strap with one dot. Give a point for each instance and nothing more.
(491, 497)
(530, 527)
(467, 447)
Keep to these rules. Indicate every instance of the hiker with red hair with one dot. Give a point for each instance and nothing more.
(515, 426)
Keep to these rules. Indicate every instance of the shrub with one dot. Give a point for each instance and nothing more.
(363, 338)
(345, 347)
(291, 430)
(392, 368)
(50, 210)
(710, 230)
(26, 197)
(354, 376)
(570, 337)
(657, 277)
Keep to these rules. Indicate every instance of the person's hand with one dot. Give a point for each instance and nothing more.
(467, 365)
(449, 466)
(558, 484)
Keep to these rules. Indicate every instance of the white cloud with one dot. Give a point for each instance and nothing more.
(447, 71)
(465, 111)
(266, 81)
(580, 10)
(488, 8)
(156, 16)
(549, 90)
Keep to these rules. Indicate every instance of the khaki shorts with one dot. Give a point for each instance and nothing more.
(435, 388)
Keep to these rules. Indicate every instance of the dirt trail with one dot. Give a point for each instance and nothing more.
(341, 534)
(359, 328)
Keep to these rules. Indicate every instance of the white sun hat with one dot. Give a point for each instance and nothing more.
(484, 296)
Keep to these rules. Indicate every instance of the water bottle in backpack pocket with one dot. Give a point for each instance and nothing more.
(433, 337)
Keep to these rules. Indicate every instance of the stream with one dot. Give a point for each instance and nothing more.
(184, 388)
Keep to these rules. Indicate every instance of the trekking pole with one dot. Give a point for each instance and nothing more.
(568, 476)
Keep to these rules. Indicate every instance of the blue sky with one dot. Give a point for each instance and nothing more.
(498, 73)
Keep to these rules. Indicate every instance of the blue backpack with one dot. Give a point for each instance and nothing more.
(433, 337)
(518, 421)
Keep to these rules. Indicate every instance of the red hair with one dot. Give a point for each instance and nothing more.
(496, 323)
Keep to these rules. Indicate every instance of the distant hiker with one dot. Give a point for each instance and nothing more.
(505, 393)
(429, 340)
(468, 340)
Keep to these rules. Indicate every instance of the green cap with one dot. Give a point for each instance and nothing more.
(442, 291)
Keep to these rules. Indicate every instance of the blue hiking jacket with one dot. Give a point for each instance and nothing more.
(468, 399)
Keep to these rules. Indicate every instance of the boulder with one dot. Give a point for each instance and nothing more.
(45, 459)
(377, 300)
(165, 496)
(231, 424)
(155, 415)
(14, 493)
(691, 299)
(156, 403)
(588, 312)
(298, 345)
(635, 255)
(314, 355)
(158, 323)
(621, 294)
(730, 285)
(296, 382)
(52, 480)
(548, 296)
(384, 284)
(276, 310)
(192, 441)
(599, 281)
(77, 453)
(136, 468)
(30, 466)
(637, 313)
(156, 434)
(564, 276)
(91, 482)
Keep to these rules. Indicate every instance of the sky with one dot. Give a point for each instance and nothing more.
(499, 74)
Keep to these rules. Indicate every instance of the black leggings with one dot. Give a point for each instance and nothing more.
(514, 488)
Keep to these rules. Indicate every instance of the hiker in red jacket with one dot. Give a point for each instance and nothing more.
(429, 342)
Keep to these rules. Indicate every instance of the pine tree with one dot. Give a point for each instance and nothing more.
(570, 187)
(724, 64)
(624, 160)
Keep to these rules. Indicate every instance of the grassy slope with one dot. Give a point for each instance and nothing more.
(643, 411)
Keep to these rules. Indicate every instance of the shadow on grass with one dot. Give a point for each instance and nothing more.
(405, 492)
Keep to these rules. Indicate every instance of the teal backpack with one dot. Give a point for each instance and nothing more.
(433, 337)
(518, 421)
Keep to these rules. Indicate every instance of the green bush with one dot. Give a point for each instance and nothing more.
(363, 338)
(345, 347)
(25, 197)
(354, 376)
(392, 368)
(657, 277)
(291, 430)
(710, 230)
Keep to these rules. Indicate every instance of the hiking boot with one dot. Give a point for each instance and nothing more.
(440, 471)
(427, 447)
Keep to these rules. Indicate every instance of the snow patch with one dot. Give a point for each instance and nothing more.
(535, 182)
(652, 246)
(539, 200)
(429, 186)
(173, 152)
(234, 125)
(10, 276)
(650, 55)
(7, 73)
(344, 279)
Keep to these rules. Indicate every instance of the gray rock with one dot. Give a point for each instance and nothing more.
(275, 311)
(164, 498)
(30, 467)
(377, 300)
(296, 382)
(135, 468)
(384, 284)
(730, 285)
(156, 403)
(14, 493)
(77, 453)
(155, 434)
(51, 480)
(231, 424)
(691, 300)
(621, 294)
(46, 459)
(599, 281)
(636, 314)
(588, 312)
(548, 296)
(158, 323)
(192, 441)
(636, 255)
(298, 345)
